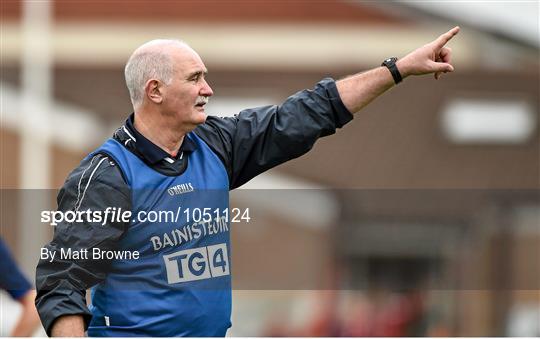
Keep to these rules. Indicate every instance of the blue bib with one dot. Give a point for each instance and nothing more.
(181, 284)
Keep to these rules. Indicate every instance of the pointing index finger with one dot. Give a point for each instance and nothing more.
(443, 39)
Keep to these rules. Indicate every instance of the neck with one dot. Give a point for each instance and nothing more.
(159, 132)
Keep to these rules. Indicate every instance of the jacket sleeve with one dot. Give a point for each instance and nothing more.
(258, 139)
(61, 283)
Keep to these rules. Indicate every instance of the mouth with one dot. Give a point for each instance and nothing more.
(201, 101)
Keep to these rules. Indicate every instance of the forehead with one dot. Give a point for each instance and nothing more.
(186, 60)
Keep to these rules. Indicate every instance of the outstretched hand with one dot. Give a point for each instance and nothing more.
(431, 58)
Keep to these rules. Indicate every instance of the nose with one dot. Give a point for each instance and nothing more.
(206, 90)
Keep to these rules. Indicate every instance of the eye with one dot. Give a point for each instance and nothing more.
(195, 77)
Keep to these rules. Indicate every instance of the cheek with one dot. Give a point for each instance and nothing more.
(179, 101)
(186, 98)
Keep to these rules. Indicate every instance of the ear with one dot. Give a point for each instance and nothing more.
(153, 91)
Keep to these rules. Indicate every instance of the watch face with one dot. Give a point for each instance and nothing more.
(389, 61)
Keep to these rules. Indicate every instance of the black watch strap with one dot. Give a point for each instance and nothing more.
(390, 63)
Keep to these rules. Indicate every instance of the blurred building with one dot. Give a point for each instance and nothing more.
(424, 209)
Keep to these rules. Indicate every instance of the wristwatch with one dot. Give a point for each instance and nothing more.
(390, 63)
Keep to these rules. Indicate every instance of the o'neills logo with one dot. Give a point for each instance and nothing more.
(181, 189)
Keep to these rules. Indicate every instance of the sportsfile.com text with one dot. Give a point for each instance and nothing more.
(113, 214)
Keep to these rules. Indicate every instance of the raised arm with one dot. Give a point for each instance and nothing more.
(360, 89)
(260, 138)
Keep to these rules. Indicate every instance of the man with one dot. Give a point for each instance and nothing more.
(170, 154)
(15, 283)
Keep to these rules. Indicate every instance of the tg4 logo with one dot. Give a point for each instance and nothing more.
(197, 264)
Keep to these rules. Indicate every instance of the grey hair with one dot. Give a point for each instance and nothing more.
(151, 60)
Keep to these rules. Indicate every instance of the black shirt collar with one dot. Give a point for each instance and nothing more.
(149, 150)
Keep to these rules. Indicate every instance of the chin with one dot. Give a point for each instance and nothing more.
(202, 117)
(199, 118)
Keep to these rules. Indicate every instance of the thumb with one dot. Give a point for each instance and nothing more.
(441, 67)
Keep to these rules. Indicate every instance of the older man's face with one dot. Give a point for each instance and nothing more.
(188, 92)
